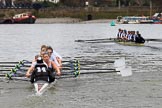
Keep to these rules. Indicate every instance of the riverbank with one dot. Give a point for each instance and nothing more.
(57, 20)
(69, 20)
(98, 21)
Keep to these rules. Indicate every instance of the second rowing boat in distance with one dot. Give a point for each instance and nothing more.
(128, 43)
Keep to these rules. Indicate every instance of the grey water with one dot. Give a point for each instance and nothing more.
(141, 90)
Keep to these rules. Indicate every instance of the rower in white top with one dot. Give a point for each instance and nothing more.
(54, 56)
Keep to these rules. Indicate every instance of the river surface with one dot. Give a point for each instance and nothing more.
(141, 90)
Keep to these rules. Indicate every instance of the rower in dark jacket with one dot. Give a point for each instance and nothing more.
(139, 38)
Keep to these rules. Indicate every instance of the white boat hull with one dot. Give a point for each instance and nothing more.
(40, 87)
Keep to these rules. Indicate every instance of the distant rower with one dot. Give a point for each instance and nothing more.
(139, 38)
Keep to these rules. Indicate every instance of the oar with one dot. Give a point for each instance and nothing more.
(108, 61)
(8, 62)
(12, 66)
(24, 66)
(19, 79)
(68, 68)
(14, 62)
(2, 75)
(23, 61)
(157, 40)
(8, 69)
(65, 63)
(28, 79)
(94, 72)
(94, 40)
(105, 41)
(126, 72)
(63, 74)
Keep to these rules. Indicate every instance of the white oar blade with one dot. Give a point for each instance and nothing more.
(126, 72)
(120, 68)
(119, 63)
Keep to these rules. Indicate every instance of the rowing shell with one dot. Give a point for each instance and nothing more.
(40, 87)
(129, 43)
